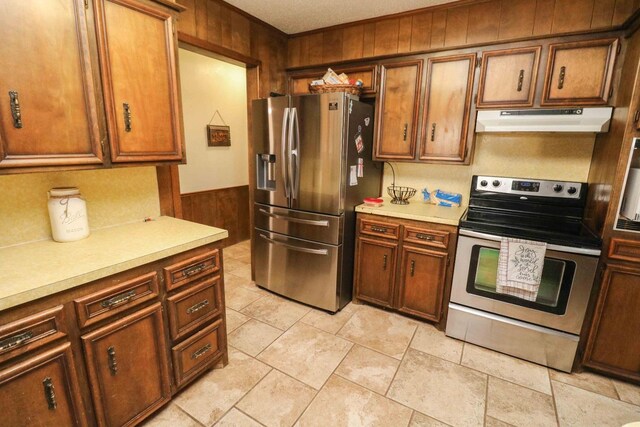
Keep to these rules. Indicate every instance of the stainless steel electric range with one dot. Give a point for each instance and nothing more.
(545, 331)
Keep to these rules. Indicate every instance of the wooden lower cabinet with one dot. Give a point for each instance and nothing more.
(113, 351)
(127, 367)
(42, 391)
(375, 270)
(421, 283)
(612, 345)
(414, 282)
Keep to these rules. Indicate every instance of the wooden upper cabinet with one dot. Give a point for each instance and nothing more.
(397, 110)
(446, 107)
(128, 367)
(48, 113)
(610, 346)
(138, 64)
(508, 77)
(580, 73)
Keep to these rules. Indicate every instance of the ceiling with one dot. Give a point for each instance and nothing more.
(296, 16)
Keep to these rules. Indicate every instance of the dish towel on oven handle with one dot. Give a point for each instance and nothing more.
(520, 267)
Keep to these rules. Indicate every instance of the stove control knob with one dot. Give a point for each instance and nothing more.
(496, 183)
(572, 190)
(483, 183)
(557, 188)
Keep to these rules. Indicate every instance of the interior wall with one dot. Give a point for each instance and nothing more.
(207, 85)
(553, 156)
(113, 196)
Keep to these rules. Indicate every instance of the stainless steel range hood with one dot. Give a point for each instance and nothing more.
(595, 119)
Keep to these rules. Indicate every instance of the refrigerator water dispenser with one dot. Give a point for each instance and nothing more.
(266, 172)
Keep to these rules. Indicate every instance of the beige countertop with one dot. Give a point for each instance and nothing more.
(416, 210)
(38, 269)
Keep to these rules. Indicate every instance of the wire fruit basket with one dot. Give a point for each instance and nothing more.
(400, 195)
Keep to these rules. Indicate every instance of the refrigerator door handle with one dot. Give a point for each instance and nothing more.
(298, 220)
(294, 137)
(284, 143)
(296, 248)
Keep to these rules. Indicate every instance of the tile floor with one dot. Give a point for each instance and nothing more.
(292, 365)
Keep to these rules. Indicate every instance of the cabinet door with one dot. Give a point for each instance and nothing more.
(397, 111)
(580, 73)
(612, 345)
(137, 59)
(508, 77)
(375, 271)
(48, 113)
(42, 391)
(127, 367)
(446, 108)
(421, 282)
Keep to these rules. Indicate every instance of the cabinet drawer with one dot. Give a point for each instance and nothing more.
(31, 333)
(109, 302)
(198, 352)
(184, 272)
(194, 306)
(421, 236)
(624, 250)
(382, 229)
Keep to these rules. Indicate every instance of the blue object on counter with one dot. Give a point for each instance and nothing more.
(442, 198)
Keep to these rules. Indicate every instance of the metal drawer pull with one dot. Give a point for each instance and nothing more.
(15, 109)
(424, 236)
(404, 132)
(15, 340)
(197, 307)
(520, 80)
(118, 299)
(413, 267)
(113, 364)
(563, 71)
(378, 229)
(49, 393)
(200, 352)
(319, 223)
(296, 248)
(127, 116)
(384, 262)
(195, 269)
(433, 132)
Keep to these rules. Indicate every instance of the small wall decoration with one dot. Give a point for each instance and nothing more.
(218, 136)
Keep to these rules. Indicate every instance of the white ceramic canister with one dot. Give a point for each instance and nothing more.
(68, 214)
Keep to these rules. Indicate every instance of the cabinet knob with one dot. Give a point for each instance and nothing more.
(404, 132)
(563, 71)
(15, 109)
(520, 80)
(113, 364)
(127, 116)
(413, 267)
(49, 393)
(433, 132)
(384, 262)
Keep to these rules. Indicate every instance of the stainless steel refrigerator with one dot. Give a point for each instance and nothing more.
(313, 165)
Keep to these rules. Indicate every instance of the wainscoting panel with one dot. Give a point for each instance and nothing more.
(226, 208)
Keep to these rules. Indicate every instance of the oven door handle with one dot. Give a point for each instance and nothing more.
(559, 248)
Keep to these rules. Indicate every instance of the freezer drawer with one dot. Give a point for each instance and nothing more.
(303, 225)
(298, 269)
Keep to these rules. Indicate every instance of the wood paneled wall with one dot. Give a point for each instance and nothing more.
(220, 24)
(226, 208)
(459, 24)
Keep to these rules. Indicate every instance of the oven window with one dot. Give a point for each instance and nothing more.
(555, 286)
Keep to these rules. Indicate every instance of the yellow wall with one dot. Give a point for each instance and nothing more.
(551, 156)
(113, 196)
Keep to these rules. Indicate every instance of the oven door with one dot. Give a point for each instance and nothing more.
(567, 279)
